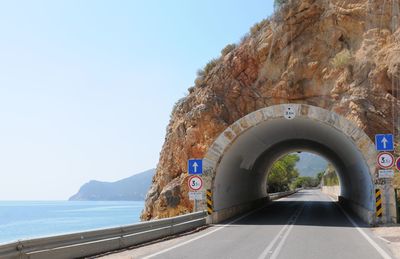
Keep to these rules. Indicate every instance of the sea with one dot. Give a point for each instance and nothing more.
(31, 219)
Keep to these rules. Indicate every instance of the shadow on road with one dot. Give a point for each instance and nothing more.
(314, 213)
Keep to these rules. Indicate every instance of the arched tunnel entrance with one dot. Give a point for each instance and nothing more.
(237, 164)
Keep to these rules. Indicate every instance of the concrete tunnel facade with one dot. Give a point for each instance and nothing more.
(237, 164)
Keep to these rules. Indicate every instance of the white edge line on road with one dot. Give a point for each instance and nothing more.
(384, 239)
(365, 235)
(201, 236)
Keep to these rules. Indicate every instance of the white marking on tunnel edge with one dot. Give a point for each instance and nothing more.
(290, 112)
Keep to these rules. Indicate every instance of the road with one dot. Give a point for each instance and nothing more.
(307, 224)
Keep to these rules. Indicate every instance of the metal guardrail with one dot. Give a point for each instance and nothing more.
(277, 195)
(94, 242)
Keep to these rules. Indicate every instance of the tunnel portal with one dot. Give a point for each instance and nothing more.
(237, 164)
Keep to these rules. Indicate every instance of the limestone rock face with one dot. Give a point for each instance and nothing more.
(340, 55)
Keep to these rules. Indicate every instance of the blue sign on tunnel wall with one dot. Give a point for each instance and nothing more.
(384, 142)
(195, 166)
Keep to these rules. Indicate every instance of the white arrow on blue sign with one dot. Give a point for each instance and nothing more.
(195, 166)
(384, 142)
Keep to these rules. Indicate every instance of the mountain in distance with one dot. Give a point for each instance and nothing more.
(310, 164)
(133, 188)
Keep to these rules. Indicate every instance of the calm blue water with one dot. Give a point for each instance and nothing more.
(27, 219)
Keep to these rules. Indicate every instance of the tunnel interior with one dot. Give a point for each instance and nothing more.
(309, 165)
(241, 173)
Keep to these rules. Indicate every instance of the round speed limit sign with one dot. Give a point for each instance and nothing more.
(385, 160)
(195, 183)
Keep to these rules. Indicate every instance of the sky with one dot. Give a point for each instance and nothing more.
(87, 87)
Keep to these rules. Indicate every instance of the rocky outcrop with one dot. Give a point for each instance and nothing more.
(336, 54)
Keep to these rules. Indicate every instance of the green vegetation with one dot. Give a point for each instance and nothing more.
(176, 105)
(283, 173)
(207, 69)
(279, 3)
(330, 177)
(341, 59)
(284, 176)
(258, 26)
(306, 181)
(228, 48)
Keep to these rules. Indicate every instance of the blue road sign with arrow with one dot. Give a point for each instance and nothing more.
(384, 142)
(195, 166)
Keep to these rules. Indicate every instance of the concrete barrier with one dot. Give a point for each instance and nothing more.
(278, 195)
(333, 191)
(363, 213)
(94, 242)
(224, 214)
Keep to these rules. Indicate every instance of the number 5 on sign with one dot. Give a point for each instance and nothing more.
(195, 183)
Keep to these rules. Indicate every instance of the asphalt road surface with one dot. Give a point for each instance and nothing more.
(307, 224)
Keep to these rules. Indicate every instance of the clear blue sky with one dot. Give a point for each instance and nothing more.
(87, 87)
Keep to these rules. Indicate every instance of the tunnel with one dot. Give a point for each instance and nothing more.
(238, 162)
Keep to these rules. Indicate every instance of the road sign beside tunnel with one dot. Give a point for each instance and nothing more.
(398, 163)
(386, 173)
(196, 196)
(195, 166)
(195, 183)
(384, 142)
(385, 160)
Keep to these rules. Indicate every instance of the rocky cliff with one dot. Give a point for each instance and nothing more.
(336, 54)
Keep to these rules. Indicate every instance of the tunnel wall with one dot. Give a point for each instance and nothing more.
(224, 164)
(333, 191)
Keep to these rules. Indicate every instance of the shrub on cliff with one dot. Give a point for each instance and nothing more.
(258, 26)
(305, 182)
(207, 69)
(341, 59)
(228, 48)
(278, 3)
(330, 177)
